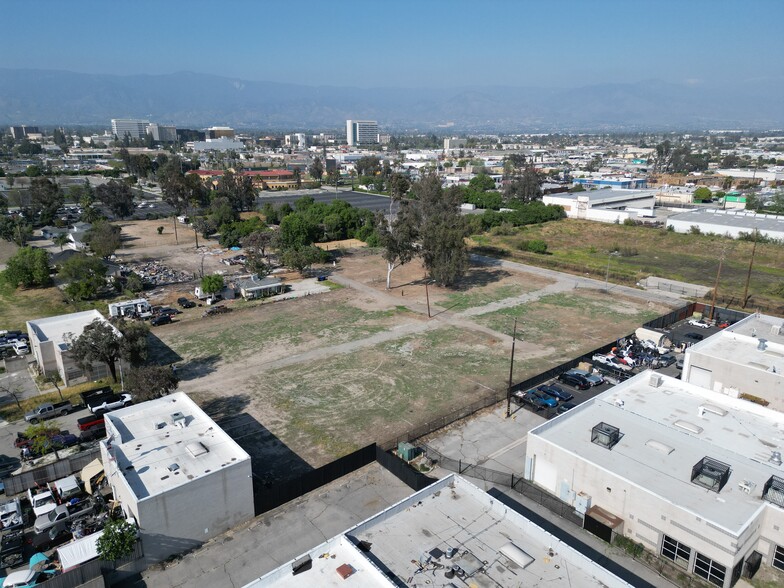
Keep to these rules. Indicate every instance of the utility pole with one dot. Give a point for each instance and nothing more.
(748, 275)
(427, 296)
(511, 368)
(716, 286)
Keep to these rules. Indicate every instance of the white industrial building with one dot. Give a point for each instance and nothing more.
(692, 475)
(361, 132)
(449, 534)
(744, 358)
(133, 127)
(607, 205)
(49, 344)
(728, 222)
(177, 473)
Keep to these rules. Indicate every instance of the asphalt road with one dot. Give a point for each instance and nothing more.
(357, 199)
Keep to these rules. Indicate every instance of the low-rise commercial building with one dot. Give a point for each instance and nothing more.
(611, 206)
(449, 534)
(175, 471)
(694, 476)
(746, 358)
(728, 222)
(49, 344)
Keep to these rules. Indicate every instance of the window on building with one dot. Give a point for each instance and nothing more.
(710, 474)
(605, 435)
(778, 557)
(676, 551)
(710, 570)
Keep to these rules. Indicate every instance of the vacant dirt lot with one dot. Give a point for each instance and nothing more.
(322, 375)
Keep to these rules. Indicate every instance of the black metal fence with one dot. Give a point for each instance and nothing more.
(50, 472)
(403, 471)
(267, 497)
(507, 480)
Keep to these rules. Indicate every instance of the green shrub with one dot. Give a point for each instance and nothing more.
(534, 246)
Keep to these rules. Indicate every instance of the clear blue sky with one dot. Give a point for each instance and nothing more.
(404, 43)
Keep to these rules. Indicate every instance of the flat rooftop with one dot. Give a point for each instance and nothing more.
(450, 525)
(666, 430)
(732, 218)
(54, 328)
(607, 195)
(756, 341)
(167, 442)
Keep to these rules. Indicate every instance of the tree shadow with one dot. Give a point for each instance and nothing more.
(198, 367)
(159, 353)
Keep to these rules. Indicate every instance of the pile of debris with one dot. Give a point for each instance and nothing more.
(157, 274)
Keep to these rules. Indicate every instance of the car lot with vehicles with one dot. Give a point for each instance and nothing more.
(48, 411)
(110, 403)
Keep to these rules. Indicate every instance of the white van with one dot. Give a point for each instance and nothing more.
(21, 348)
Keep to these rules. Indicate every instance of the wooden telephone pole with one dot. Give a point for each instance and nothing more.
(511, 368)
(716, 286)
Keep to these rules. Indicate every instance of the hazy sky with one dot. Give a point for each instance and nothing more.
(404, 43)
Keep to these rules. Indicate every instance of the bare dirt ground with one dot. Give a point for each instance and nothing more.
(7, 249)
(323, 375)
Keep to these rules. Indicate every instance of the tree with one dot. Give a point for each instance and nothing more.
(255, 246)
(103, 238)
(527, 187)
(134, 344)
(117, 541)
(61, 240)
(16, 230)
(398, 237)
(442, 230)
(99, 342)
(212, 284)
(134, 283)
(117, 196)
(482, 183)
(148, 382)
(296, 231)
(368, 166)
(45, 198)
(86, 276)
(316, 169)
(29, 267)
(40, 435)
(301, 257)
(702, 194)
(238, 190)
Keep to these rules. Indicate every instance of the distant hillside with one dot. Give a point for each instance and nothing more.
(190, 99)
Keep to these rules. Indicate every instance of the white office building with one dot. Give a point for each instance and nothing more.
(692, 475)
(361, 132)
(134, 128)
(449, 534)
(177, 473)
(49, 345)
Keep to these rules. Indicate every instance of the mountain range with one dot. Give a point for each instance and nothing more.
(49, 97)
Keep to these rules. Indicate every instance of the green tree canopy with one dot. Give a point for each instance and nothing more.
(702, 194)
(86, 276)
(148, 382)
(117, 196)
(297, 231)
(99, 342)
(45, 198)
(117, 541)
(15, 229)
(212, 284)
(103, 238)
(29, 267)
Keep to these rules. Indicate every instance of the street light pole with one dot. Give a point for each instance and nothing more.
(511, 368)
(607, 274)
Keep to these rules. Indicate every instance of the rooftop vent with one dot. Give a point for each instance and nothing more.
(711, 474)
(345, 571)
(712, 409)
(762, 345)
(775, 458)
(605, 435)
(746, 486)
(173, 467)
(303, 564)
(774, 491)
(656, 380)
(659, 446)
(197, 448)
(159, 425)
(687, 426)
(178, 419)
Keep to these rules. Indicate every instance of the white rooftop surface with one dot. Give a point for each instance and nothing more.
(451, 513)
(731, 218)
(325, 560)
(151, 451)
(607, 194)
(743, 438)
(738, 344)
(54, 328)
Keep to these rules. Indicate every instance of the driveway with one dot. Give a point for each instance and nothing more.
(16, 378)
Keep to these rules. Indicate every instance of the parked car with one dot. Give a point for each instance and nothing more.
(611, 361)
(63, 513)
(25, 579)
(48, 411)
(11, 547)
(592, 379)
(699, 324)
(21, 348)
(11, 515)
(547, 400)
(88, 422)
(574, 380)
(555, 392)
(216, 310)
(664, 360)
(168, 310)
(93, 433)
(161, 319)
(50, 539)
(111, 403)
(693, 336)
(185, 303)
(525, 398)
(679, 364)
(565, 407)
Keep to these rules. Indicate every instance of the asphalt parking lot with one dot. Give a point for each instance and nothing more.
(357, 199)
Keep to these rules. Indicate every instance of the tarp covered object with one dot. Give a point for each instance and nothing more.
(78, 552)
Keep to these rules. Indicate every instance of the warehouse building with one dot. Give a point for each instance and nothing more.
(694, 476)
(610, 206)
(728, 222)
(449, 534)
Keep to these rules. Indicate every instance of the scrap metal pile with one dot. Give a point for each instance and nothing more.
(157, 274)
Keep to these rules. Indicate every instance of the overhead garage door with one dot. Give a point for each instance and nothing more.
(700, 377)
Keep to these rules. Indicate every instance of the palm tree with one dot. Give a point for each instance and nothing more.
(61, 239)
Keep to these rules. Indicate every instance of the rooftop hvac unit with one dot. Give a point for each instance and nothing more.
(656, 380)
(746, 486)
(762, 345)
(178, 419)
